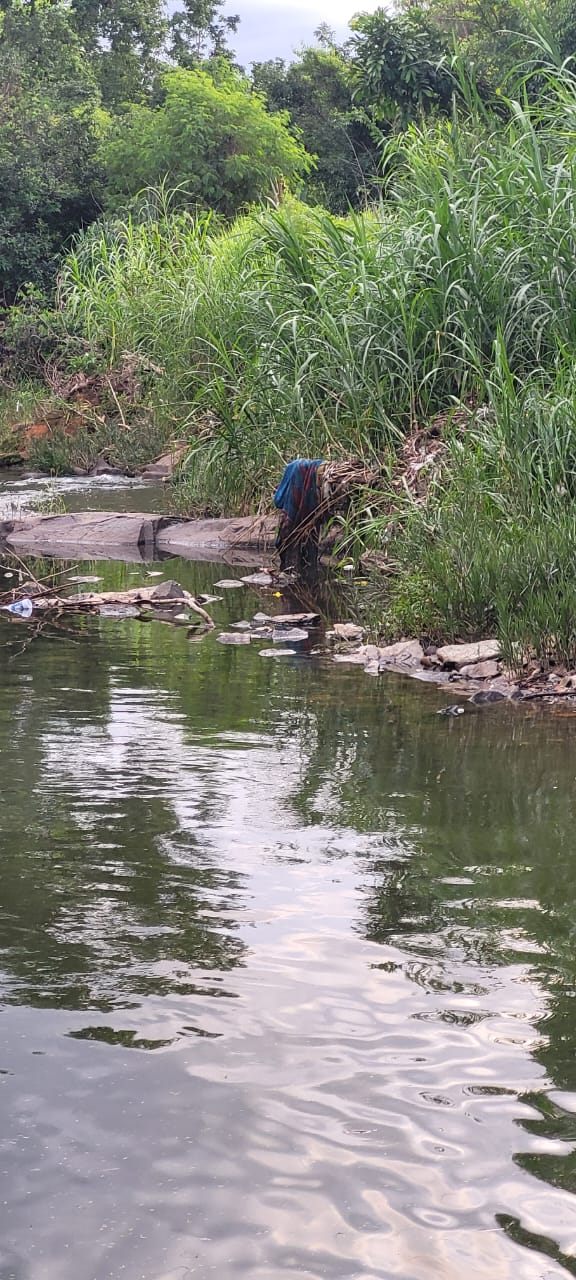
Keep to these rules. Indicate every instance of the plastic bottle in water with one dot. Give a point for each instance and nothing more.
(21, 607)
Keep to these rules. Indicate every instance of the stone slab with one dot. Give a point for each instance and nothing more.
(463, 655)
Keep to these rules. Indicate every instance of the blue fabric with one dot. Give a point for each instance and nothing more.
(297, 493)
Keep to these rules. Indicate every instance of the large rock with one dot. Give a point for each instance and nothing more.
(185, 537)
(83, 535)
(481, 670)
(405, 653)
(463, 655)
(89, 535)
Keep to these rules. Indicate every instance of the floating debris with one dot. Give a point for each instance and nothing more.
(454, 710)
(22, 608)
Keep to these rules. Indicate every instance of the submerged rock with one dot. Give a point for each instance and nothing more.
(234, 637)
(463, 655)
(488, 695)
(119, 611)
(277, 653)
(228, 584)
(289, 634)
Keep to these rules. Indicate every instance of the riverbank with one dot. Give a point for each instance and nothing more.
(433, 338)
(476, 673)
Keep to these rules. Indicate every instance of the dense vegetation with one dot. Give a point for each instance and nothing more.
(424, 263)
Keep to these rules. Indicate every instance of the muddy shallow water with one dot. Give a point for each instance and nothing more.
(287, 965)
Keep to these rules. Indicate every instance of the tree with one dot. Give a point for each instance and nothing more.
(489, 34)
(315, 89)
(400, 66)
(49, 124)
(212, 138)
(124, 38)
(200, 31)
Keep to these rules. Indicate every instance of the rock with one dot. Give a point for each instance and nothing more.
(487, 695)
(103, 468)
(366, 653)
(481, 670)
(276, 653)
(568, 684)
(233, 637)
(164, 466)
(262, 617)
(119, 611)
(347, 631)
(463, 655)
(431, 660)
(292, 619)
(241, 626)
(228, 584)
(78, 578)
(259, 580)
(405, 653)
(289, 634)
(168, 590)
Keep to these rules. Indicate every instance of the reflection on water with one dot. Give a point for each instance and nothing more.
(287, 967)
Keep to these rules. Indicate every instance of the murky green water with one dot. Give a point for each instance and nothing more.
(287, 967)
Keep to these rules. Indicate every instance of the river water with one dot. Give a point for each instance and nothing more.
(287, 965)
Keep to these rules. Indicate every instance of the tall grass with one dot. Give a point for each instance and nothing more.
(294, 332)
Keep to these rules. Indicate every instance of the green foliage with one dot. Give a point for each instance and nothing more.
(49, 125)
(212, 138)
(200, 31)
(400, 66)
(316, 91)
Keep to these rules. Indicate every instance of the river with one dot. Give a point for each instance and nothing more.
(287, 965)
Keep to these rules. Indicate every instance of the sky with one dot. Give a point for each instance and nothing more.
(275, 28)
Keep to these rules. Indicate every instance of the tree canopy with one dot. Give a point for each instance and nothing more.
(212, 137)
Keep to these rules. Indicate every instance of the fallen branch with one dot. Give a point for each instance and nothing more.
(140, 596)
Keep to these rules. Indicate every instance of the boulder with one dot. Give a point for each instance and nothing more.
(481, 670)
(347, 631)
(464, 655)
(405, 653)
(168, 590)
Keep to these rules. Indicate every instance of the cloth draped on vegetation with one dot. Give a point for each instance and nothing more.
(297, 495)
